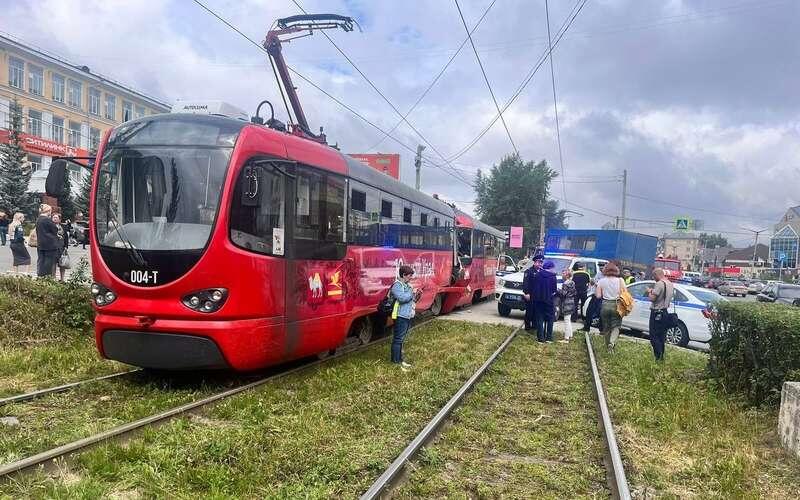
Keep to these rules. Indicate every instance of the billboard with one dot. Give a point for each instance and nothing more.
(516, 237)
(389, 163)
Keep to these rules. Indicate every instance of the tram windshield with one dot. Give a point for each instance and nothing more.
(159, 198)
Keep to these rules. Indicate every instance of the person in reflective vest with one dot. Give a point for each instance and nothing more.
(627, 277)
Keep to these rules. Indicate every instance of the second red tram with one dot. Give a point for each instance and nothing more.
(218, 243)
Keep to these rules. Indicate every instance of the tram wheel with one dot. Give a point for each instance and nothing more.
(362, 330)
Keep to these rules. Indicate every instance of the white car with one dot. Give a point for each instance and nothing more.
(693, 305)
(509, 287)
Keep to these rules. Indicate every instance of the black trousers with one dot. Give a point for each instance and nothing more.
(580, 300)
(592, 312)
(46, 262)
(530, 316)
(658, 332)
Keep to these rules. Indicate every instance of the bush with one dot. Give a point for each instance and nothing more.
(43, 308)
(754, 348)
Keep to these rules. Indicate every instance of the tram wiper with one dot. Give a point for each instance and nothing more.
(133, 253)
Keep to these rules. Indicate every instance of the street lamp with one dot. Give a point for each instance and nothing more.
(755, 247)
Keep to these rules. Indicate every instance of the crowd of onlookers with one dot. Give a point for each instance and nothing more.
(51, 236)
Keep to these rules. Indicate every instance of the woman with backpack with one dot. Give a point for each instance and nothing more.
(402, 311)
(568, 294)
(16, 233)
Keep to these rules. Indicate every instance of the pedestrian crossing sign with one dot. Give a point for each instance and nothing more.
(682, 224)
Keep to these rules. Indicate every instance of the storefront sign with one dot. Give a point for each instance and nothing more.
(39, 146)
(515, 237)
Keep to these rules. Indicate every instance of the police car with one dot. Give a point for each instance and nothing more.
(509, 287)
(693, 305)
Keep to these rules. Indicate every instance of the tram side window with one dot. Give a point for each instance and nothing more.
(386, 209)
(254, 221)
(423, 219)
(478, 244)
(407, 215)
(363, 221)
(464, 247)
(320, 207)
(358, 200)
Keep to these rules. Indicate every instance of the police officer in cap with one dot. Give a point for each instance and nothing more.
(527, 290)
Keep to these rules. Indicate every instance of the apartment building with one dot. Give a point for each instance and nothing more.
(65, 108)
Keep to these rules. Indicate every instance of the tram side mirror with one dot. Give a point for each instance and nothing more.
(55, 178)
(251, 180)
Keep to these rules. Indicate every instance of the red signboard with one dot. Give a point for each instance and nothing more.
(387, 163)
(39, 146)
(732, 270)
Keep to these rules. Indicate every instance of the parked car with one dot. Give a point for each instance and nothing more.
(693, 305)
(735, 288)
(755, 287)
(780, 293)
(715, 282)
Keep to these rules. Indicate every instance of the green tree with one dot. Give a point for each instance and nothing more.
(84, 195)
(515, 193)
(65, 199)
(712, 240)
(15, 172)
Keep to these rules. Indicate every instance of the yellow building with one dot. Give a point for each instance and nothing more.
(65, 108)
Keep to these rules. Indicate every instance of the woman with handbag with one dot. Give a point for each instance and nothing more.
(568, 293)
(609, 288)
(661, 296)
(16, 233)
(63, 263)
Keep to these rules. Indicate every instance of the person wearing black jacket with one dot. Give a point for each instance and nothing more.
(4, 222)
(581, 279)
(527, 291)
(48, 244)
(545, 289)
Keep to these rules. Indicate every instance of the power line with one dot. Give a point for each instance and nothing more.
(310, 82)
(576, 9)
(727, 214)
(438, 76)
(381, 94)
(555, 101)
(485, 78)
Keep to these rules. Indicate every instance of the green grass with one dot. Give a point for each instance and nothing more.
(528, 430)
(325, 432)
(681, 437)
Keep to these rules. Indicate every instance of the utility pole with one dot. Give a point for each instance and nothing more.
(418, 163)
(624, 197)
(755, 247)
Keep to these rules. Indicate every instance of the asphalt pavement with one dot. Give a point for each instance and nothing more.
(75, 254)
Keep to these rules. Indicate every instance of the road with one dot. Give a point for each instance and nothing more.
(75, 254)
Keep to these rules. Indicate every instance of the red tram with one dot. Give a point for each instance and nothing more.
(218, 243)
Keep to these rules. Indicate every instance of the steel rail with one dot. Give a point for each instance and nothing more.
(40, 459)
(620, 482)
(392, 473)
(19, 398)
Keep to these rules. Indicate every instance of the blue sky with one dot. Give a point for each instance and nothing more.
(697, 99)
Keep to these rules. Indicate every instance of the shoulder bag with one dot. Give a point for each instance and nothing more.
(64, 261)
(625, 302)
(32, 239)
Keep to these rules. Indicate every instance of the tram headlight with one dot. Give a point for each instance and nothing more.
(102, 295)
(206, 301)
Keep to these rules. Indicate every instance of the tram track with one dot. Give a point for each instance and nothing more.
(29, 396)
(120, 433)
(393, 475)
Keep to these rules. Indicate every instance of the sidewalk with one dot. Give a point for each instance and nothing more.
(75, 255)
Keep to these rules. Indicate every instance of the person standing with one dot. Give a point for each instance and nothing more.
(627, 277)
(608, 289)
(4, 223)
(581, 279)
(660, 297)
(545, 288)
(48, 244)
(568, 294)
(63, 234)
(16, 235)
(402, 312)
(527, 291)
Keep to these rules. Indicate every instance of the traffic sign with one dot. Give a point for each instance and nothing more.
(682, 224)
(781, 256)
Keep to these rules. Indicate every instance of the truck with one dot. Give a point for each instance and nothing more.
(634, 251)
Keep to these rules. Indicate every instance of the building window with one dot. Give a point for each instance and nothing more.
(127, 111)
(58, 88)
(94, 101)
(58, 129)
(16, 72)
(407, 215)
(35, 122)
(386, 209)
(94, 138)
(111, 107)
(74, 94)
(783, 248)
(35, 80)
(139, 111)
(74, 138)
(35, 161)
